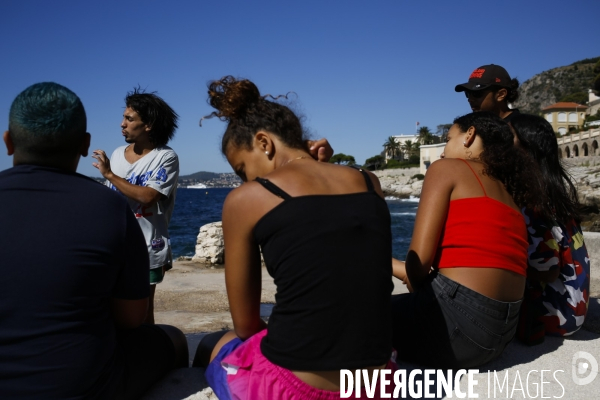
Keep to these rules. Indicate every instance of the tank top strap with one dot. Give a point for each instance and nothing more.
(476, 176)
(271, 187)
(368, 180)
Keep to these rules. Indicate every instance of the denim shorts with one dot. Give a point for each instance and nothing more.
(447, 325)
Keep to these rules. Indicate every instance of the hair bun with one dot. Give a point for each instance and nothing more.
(232, 97)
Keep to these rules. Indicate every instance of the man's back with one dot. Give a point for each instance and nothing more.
(68, 245)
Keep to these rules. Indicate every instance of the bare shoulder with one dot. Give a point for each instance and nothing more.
(375, 180)
(356, 175)
(443, 174)
(249, 202)
(444, 165)
(243, 196)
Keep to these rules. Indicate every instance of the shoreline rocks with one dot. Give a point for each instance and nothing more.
(406, 183)
(209, 244)
(402, 182)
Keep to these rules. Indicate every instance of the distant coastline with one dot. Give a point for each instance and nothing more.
(208, 179)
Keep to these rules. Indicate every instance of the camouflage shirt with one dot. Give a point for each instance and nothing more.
(554, 245)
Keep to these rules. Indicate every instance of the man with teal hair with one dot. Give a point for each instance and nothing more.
(75, 267)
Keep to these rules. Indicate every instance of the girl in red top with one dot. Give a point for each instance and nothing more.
(467, 259)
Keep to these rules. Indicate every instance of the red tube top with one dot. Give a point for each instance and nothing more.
(483, 232)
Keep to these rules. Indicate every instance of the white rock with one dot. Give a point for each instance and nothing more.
(210, 247)
(417, 185)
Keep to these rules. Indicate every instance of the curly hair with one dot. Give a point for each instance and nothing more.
(239, 103)
(504, 161)
(155, 112)
(537, 138)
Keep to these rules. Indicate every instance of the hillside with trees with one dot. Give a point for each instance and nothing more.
(568, 83)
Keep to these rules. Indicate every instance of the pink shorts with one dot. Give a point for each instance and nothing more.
(251, 376)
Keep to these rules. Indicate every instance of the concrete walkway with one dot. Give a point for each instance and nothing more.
(521, 372)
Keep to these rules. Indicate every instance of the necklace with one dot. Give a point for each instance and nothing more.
(294, 159)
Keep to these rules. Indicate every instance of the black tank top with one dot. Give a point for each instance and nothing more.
(330, 257)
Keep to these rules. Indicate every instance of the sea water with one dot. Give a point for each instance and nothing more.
(197, 207)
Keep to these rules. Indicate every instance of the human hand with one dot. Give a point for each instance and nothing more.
(320, 149)
(103, 162)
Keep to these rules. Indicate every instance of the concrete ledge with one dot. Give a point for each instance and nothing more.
(518, 362)
(592, 242)
(519, 372)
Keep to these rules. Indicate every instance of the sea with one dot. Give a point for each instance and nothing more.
(197, 207)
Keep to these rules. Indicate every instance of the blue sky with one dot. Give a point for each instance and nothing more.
(363, 70)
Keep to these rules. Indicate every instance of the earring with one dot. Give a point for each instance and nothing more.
(465, 143)
(266, 152)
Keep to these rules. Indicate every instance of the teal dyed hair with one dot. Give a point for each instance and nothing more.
(47, 121)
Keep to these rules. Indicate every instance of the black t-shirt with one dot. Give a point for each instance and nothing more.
(68, 245)
(514, 113)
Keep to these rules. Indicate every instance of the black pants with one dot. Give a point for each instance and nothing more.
(446, 325)
(144, 356)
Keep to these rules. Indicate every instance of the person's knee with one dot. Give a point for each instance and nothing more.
(206, 347)
(179, 343)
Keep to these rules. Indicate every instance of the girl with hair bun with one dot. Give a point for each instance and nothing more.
(324, 232)
(558, 274)
(466, 263)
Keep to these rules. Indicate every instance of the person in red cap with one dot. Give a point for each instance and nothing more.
(490, 88)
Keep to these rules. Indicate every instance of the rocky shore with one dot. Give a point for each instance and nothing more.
(402, 182)
(587, 180)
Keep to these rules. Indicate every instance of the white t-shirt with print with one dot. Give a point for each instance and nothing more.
(159, 170)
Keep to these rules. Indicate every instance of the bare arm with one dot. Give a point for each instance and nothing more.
(129, 314)
(144, 195)
(398, 269)
(242, 264)
(429, 222)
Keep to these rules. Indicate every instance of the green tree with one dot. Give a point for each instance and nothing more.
(425, 135)
(408, 147)
(343, 159)
(391, 147)
(579, 98)
(442, 131)
(375, 162)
